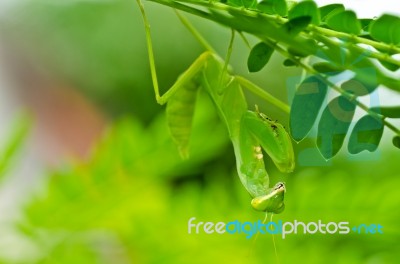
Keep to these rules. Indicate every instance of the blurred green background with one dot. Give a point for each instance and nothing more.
(131, 199)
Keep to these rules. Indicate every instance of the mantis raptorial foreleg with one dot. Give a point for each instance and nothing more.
(249, 131)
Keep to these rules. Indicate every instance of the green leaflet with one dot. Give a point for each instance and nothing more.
(296, 25)
(306, 8)
(273, 7)
(386, 28)
(365, 22)
(390, 66)
(289, 63)
(387, 111)
(329, 10)
(259, 56)
(366, 135)
(242, 3)
(333, 126)
(295, 51)
(326, 68)
(305, 107)
(396, 141)
(358, 87)
(345, 21)
(180, 111)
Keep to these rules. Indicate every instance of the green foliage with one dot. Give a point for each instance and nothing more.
(366, 135)
(306, 8)
(324, 42)
(329, 10)
(345, 21)
(289, 63)
(296, 25)
(357, 88)
(388, 111)
(259, 56)
(130, 201)
(326, 68)
(386, 29)
(117, 208)
(14, 143)
(396, 142)
(333, 126)
(272, 7)
(306, 105)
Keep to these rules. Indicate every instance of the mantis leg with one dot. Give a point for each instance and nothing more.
(186, 77)
(262, 93)
(189, 76)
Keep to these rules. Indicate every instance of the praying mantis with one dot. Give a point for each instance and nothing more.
(250, 131)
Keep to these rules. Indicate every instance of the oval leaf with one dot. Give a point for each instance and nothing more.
(273, 7)
(345, 21)
(366, 135)
(242, 3)
(296, 25)
(390, 66)
(289, 63)
(333, 126)
(396, 141)
(305, 106)
(329, 10)
(386, 29)
(326, 68)
(357, 87)
(259, 57)
(365, 22)
(387, 111)
(306, 8)
(298, 52)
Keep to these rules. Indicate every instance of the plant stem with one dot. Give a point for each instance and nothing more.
(280, 21)
(372, 43)
(263, 94)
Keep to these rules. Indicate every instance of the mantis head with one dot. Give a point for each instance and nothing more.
(273, 201)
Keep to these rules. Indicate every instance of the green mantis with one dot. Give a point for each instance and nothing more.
(250, 131)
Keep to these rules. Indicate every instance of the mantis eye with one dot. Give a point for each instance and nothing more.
(279, 185)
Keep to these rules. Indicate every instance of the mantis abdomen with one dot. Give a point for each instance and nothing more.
(180, 111)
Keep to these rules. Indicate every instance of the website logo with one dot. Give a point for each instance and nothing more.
(282, 228)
